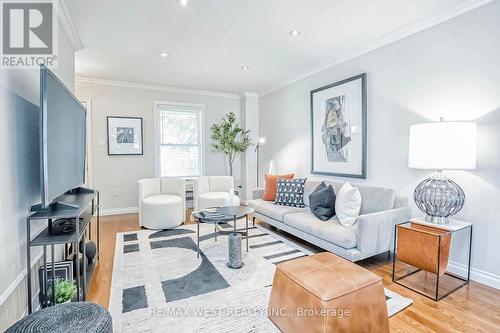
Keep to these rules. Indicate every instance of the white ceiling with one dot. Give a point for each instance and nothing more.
(210, 40)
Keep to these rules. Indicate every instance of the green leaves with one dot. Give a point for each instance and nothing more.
(229, 138)
(65, 290)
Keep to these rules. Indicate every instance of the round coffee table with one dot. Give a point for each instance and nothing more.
(229, 213)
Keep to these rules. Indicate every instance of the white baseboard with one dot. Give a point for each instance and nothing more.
(118, 211)
(476, 275)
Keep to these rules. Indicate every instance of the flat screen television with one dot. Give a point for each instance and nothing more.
(62, 138)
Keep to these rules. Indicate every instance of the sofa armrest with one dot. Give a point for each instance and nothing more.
(257, 193)
(376, 230)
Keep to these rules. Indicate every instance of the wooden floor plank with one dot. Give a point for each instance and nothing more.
(473, 308)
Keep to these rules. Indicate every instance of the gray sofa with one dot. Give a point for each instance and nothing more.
(372, 234)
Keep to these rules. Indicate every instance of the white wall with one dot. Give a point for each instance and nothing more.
(450, 70)
(20, 173)
(123, 172)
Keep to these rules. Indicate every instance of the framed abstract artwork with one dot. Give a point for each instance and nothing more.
(338, 128)
(125, 136)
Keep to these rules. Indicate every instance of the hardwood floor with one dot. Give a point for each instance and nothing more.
(473, 308)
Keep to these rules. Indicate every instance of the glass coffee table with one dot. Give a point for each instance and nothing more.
(228, 213)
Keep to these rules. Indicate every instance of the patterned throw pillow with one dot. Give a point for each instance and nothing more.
(290, 192)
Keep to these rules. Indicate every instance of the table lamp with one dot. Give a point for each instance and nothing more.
(443, 145)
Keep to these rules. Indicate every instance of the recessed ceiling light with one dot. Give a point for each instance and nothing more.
(184, 3)
(294, 33)
(245, 68)
(163, 54)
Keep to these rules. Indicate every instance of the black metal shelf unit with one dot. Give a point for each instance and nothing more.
(81, 204)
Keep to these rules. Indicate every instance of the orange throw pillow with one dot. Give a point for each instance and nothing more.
(270, 189)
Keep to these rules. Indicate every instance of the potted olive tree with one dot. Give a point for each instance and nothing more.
(230, 139)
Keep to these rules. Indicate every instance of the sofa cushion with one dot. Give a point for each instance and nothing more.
(322, 202)
(270, 187)
(376, 199)
(273, 211)
(373, 199)
(290, 192)
(348, 204)
(331, 231)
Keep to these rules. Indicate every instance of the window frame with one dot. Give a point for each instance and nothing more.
(176, 106)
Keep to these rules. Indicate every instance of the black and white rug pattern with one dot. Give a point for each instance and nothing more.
(159, 284)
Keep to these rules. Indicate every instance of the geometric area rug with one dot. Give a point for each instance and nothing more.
(159, 285)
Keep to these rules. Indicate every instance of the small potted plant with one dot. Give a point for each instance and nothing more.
(65, 291)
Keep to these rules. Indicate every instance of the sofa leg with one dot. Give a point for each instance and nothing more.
(253, 220)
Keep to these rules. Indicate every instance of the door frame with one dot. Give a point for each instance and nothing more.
(87, 102)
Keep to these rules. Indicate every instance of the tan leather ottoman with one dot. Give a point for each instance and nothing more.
(325, 293)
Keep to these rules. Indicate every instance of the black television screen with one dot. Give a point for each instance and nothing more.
(62, 138)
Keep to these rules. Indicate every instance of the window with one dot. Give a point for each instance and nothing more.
(178, 140)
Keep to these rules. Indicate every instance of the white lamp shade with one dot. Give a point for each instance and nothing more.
(443, 146)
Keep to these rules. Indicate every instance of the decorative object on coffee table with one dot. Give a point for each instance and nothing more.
(338, 128)
(234, 250)
(220, 215)
(421, 257)
(68, 317)
(441, 146)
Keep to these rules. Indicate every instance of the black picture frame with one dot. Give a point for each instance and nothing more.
(364, 140)
(62, 269)
(110, 152)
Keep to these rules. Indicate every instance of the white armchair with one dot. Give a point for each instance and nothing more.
(162, 202)
(214, 191)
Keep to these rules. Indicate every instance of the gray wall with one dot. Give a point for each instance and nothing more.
(19, 175)
(450, 70)
(123, 172)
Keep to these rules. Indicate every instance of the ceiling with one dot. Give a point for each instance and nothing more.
(210, 40)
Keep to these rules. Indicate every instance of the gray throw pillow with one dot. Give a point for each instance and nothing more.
(322, 202)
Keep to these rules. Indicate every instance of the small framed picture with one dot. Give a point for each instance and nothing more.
(62, 269)
(125, 136)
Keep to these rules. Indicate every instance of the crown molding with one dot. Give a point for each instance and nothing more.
(67, 22)
(88, 80)
(443, 15)
(250, 94)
